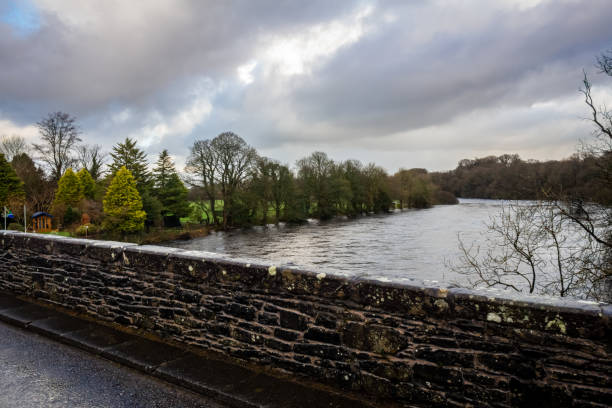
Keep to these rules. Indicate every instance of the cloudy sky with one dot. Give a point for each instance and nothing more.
(401, 83)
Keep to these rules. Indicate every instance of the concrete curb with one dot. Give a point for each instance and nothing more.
(227, 383)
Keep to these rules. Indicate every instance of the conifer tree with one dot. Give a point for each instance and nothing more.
(68, 190)
(173, 197)
(135, 160)
(122, 204)
(169, 188)
(11, 187)
(86, 183)
(164, 169)
(127, 155)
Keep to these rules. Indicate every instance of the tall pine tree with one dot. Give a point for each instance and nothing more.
(169, 188)
(127, 155)
(174, 197)
(164, 169)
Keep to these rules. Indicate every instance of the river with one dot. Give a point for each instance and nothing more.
(404, 245)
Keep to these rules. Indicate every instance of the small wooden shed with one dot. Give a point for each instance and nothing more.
(41, 221)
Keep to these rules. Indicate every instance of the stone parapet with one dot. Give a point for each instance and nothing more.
(410, 343)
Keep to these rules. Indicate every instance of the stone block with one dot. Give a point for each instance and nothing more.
(286, 334)
(293, 321)
(444, 377)
(241, 311)
(327, 320)
(324, 351)
(268, 319)
(446, 357)
(375, 338)
(322, 335)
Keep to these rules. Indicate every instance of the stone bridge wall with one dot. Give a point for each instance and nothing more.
(410, 344)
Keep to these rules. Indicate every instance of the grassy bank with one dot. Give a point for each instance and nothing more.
(154, 235)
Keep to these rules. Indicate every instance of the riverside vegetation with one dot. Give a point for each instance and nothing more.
(226, 184)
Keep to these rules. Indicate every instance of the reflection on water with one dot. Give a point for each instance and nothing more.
(406, 244)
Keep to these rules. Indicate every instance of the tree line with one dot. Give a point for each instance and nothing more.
(225, 183)
(510, 177)
(255, 189)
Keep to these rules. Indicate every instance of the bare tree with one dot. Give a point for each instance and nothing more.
(315, 172)
(91, 158)
(561, 245)
(12, 146)
(604, 62)
(534, 248)
(234, 161)
(220, 165)
(59, 135)
(201, 171)
(282, 181)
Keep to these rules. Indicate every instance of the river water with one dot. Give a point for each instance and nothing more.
(405, 245)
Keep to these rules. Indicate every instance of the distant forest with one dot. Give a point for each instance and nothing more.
(510, 177)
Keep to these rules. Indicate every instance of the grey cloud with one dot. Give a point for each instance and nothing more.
(435, 63)
(85, 70)
(381, 85)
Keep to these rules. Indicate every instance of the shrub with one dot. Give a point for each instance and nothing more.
(445, 197)
(123, 205)
(87, 229)
(14, 226)
(71, 216)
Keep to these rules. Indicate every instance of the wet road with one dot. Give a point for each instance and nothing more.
(37, 372)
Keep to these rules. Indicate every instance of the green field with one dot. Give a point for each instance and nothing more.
(200, 212)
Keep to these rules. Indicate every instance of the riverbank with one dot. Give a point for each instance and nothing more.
(154, 235)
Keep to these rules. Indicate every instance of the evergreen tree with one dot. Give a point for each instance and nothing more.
(68, 190)
(86, 183)
(168, 187)
(123, 205)
(173, 197)
(164, 169)
(152, 207)
(127, 155)
(11, 187)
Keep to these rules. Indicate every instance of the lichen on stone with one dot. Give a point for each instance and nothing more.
(441, 304)
(272, 270)
(494, 317)
(558, 324)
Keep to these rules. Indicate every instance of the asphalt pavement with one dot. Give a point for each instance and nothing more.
(38, 372)
(46, 371)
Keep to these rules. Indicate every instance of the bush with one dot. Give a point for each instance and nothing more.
(14, 226)
(122, 205)
(87, 229)
(71, 216)
(444, 197)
